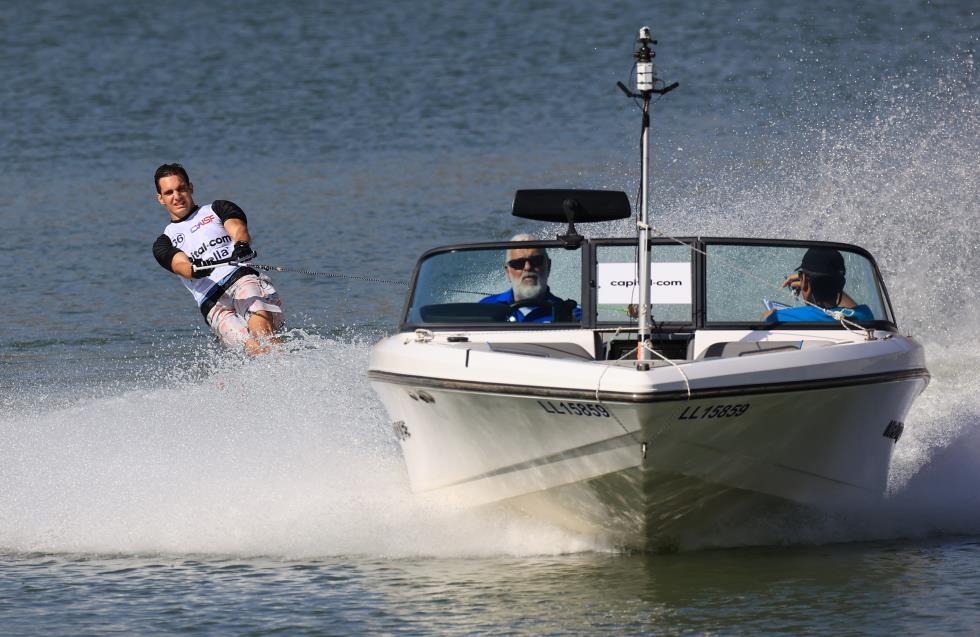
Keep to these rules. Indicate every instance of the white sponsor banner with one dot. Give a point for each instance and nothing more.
(669, 283)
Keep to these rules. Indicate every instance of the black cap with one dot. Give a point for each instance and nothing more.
(822, 261)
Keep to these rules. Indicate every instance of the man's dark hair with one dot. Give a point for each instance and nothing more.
(826, 287)
(825, 268)
(169, 170)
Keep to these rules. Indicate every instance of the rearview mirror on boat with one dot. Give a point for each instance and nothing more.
(571, 205)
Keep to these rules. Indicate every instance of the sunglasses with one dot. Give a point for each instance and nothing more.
(537, 261)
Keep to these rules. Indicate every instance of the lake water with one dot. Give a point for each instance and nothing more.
(152, 483)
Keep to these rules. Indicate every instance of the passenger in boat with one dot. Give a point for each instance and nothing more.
(819, 281)
(239, 304)
(527, 270)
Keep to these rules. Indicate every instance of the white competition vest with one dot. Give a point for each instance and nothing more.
(202, 236)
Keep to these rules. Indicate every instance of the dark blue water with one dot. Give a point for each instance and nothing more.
(152, 483)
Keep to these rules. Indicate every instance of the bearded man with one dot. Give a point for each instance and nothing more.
(527, 270)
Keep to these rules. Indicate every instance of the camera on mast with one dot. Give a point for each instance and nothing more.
(646, 72)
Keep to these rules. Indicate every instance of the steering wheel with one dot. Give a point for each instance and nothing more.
(561, 311)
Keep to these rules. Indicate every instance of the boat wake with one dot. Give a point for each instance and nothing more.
(289, 456)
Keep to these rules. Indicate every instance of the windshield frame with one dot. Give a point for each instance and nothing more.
(585, 254)
(696, 281)
(706, 242)
(699, 247)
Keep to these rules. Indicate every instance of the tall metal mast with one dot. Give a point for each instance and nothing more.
(646, 86)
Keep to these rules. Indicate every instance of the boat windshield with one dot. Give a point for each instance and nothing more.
(525, 283)
(671, 283)
(744, 283)
(701, 282)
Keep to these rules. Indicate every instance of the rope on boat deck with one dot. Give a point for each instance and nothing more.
(643, 445)
(598, 387)
(687, 383)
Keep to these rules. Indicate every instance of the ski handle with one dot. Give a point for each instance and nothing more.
(211, 266)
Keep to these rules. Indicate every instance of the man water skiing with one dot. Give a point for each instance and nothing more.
(240, 305)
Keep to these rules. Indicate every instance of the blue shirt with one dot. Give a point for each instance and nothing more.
(530, 313)
(810, 314)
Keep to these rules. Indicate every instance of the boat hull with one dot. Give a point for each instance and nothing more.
(634, 467)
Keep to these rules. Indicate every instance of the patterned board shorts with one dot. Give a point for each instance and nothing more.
(229, 316)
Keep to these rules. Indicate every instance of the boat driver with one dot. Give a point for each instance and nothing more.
(527, 270)
(819, 281)
(239, 304)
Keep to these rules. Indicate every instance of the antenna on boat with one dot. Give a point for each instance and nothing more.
(646, 85)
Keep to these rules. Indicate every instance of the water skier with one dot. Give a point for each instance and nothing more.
(240, 305)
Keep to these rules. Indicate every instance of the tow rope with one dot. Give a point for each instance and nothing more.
(334, 275)
(279, 268)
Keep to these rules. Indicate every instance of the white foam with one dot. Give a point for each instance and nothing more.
(287, 455)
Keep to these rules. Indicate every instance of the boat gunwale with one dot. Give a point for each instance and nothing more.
(507, 389)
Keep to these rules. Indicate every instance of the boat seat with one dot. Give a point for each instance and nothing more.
(543, 350)
(734, 349)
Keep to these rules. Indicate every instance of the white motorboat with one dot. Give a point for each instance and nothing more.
(641, 395)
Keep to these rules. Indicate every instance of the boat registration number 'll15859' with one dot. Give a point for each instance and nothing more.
(714, 411)
(573, 409)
